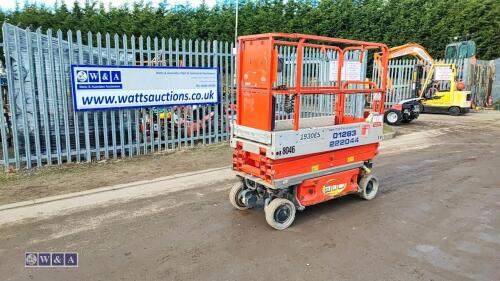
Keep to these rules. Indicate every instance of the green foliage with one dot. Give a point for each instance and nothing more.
(432, 23)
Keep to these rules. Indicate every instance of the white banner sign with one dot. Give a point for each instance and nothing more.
(442, 73)
(351, 70)
(115, 87)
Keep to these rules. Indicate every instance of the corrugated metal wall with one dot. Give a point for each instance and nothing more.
(495, 93)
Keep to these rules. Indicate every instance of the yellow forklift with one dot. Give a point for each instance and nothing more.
(441, 93)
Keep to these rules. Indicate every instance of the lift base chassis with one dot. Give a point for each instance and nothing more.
(284, 196)
(308, 189)
(330, 162)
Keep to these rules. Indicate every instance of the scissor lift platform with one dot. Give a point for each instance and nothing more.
(293, 163)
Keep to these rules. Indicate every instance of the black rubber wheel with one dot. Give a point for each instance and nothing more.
(393, 117)
(420, 107)
(454, 111)
(280, 213)
(235, 196)
(406, 121)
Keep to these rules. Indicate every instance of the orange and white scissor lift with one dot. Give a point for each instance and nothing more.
(288, 164)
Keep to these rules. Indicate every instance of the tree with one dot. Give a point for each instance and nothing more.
(432, 23)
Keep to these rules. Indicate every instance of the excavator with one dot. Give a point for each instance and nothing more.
(440, 92)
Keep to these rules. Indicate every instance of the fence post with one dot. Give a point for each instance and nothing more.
(3, 133)
(32, 68)
(120, 111)
(90, 44)
(75, 113)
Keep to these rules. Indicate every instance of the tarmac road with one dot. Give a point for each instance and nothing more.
(437, 218)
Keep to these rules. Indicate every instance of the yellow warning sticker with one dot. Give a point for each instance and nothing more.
(333, 189)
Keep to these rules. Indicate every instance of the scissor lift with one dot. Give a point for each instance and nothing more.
(287, 164)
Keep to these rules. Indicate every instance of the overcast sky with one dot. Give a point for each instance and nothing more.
(11, 4)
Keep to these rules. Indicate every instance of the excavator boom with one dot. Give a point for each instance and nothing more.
(410, 49)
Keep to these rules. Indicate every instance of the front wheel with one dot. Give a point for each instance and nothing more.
(236, 197)
(280, 213)
(454, 110)
(368, 186)
(393, 117)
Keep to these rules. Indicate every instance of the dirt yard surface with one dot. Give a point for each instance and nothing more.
(48, 181)
(437, 217)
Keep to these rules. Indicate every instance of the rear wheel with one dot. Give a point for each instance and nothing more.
(280, 213)
(454, 110)
(420, 107)
(235, 196)
(368, 186)
(393, 117)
